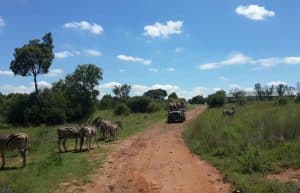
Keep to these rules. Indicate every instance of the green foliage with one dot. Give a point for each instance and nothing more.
(122, 109)
(216, 100)
(33, 58)
(139, 104)
(283, 100)
(260, 138)
(153, 107)
(197, 100)
(80, 88)
(122, 91)
(297, 100)
(173, 95)
(158, 94)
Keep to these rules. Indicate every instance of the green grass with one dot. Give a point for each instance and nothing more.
(46, 168)
(262, 138)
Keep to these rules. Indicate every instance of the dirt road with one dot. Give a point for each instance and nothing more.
(157, 161)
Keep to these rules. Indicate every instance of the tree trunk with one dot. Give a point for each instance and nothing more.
(35, 84)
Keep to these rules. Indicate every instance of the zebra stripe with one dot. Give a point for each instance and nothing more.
(87, 132)
(11, 142)
(67, 133)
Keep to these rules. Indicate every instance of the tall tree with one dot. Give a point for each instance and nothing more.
(173, 95)
(81, 88)
(122, 91)
(158, 94)
(33, 58)
(259, 91)
(298, 87)
(269, 91)
(237, 93)
(281, 89)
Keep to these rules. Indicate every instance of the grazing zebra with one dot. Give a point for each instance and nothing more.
(229, 112)
(67, 133)
(102, 125)
(87, 132)
(11, 142)
(113, 129)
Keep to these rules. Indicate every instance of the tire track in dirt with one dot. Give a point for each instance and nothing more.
(157, 161)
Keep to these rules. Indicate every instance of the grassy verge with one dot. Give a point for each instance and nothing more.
(262, 138)
(46, 168)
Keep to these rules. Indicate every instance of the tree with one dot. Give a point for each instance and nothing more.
(269, 91)
(298, 87)
(81, 90)
(281, 89)
(158, 94)
(259, 91)
(217, 99)
(122, 91)
(291, 91)
(173, 95)
(33, 58)
(197, 100)
(237, 93)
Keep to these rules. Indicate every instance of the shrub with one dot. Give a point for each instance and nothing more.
(122, 109)
(283, 100)
(153, 107)
(139, 104)
(197, 100)
(217, 99)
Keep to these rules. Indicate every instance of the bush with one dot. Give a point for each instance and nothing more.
(139, 104)
(283, 100)
(216, 100)
(197, 100)
(122, 109)
(153, 107)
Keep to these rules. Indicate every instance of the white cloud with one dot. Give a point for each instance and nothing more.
(63, 54)
(6, 73)
(2, 22)
(292, 60)
(163, 30)
(179, 49)
(237, 58)
(234, 86)
(153, 69)
(109, 85)
(122, 70)
(240, 58)
(276, 83)
(7, 88)
(85, 26)
(254, 12)
(54, 72)
(134, 59)
(91, 52)
(171, 69)
(223, 78)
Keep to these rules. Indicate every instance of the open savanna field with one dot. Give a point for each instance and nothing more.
(47, 169)
(262, 138)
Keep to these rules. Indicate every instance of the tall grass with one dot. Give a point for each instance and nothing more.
(260, 138)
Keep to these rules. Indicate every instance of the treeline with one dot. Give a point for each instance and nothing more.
(281, 93)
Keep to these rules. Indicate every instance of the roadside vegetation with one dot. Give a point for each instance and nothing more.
(261, 138)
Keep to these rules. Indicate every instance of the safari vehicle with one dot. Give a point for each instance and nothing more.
(176, 116)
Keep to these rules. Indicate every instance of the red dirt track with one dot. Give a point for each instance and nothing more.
(157, 161)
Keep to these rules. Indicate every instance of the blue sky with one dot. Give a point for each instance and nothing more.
(191, 47)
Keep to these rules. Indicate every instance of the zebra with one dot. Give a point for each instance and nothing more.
(102, 125)
(11, 142)
(229, 112)
(87, 132)
(67, 133)
(113, 129)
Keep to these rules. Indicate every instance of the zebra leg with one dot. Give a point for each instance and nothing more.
(81, 142)
(76, 144)
(58, 143)
(64, 144)
(90, 141)
(23, 154)
(3, 160)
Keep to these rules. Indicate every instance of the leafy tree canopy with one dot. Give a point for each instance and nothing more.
(158, 94)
